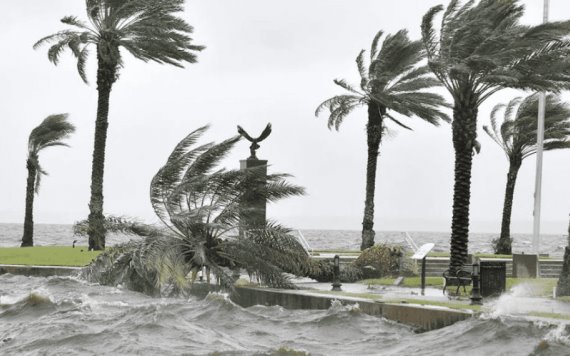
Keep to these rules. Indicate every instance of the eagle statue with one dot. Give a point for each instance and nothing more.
(254, 141)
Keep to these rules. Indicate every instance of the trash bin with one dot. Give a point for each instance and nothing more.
(493, 278)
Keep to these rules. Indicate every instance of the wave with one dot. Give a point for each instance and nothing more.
(74, 317)
(26, 307)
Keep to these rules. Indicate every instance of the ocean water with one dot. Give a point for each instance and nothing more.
(67, 316)
(45, 235)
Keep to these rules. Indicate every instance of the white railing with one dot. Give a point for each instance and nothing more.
(304, 242)
(410, 241)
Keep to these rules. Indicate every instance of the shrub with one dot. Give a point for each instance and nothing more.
(380, 261)
(322, 271)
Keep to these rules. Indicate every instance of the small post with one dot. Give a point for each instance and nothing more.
(423, 277)
(475, 291)
(336, 274)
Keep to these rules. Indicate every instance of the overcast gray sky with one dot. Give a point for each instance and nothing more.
(265, 61)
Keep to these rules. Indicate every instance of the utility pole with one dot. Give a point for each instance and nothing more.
(539, 149)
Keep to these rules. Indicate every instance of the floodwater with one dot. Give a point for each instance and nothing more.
(67, 316)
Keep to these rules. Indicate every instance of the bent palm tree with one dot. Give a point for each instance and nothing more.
(481, 48)
(200, 207)
(49, 133)
(392, 83)
(516, 135)
(150, 31)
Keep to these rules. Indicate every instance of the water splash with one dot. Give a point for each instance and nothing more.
(337, 307)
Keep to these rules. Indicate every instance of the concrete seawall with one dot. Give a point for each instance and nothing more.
(421, 317)
(39, 271)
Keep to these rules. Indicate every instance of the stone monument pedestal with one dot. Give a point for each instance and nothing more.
(254, 203)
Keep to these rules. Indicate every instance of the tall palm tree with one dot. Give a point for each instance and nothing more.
(200, 208)
(150, 31)
(392, 83)
(516, 135)
(51, 132)
(480, 49)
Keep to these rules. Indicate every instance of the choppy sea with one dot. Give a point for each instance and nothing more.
(47, 234)
(68, 316)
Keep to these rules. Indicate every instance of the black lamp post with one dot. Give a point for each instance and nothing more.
(336, 274)
(475, 291)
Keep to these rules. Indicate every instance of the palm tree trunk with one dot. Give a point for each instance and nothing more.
(374, 136)
(105, 78)
(28, 237)
(464, 130)
(504, 246)
(563, 286)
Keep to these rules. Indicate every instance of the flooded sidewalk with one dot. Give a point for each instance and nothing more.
(520, 301)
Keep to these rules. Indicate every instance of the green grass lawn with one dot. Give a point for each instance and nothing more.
(47, 256)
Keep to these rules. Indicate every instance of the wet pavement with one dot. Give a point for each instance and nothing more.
(517, 302)
(391, 293)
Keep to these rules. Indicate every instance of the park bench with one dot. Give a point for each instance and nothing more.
(461, 278)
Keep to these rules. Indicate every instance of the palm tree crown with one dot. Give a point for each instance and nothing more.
(393, 82)
(147, 29)
(482, 48)
(51, 132)
(515, 133)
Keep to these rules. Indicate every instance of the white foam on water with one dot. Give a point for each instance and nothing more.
(338, 307)
(9, 299)
(515, 302)
(559, 335)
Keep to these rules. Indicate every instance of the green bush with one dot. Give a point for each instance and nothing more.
(322, 271)
(380, 260)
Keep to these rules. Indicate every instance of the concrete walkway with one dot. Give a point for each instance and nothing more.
(516, 302)
(392, 293)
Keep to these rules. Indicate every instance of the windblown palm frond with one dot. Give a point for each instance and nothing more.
(51, 132)
(394, 80)
(482, 46)
(149, 30)
(201, 208)
(516, 134)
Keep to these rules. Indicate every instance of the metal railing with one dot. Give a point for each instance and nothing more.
(304, 242)
(411, 243)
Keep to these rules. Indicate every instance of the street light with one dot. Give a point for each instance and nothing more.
(336, 274)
